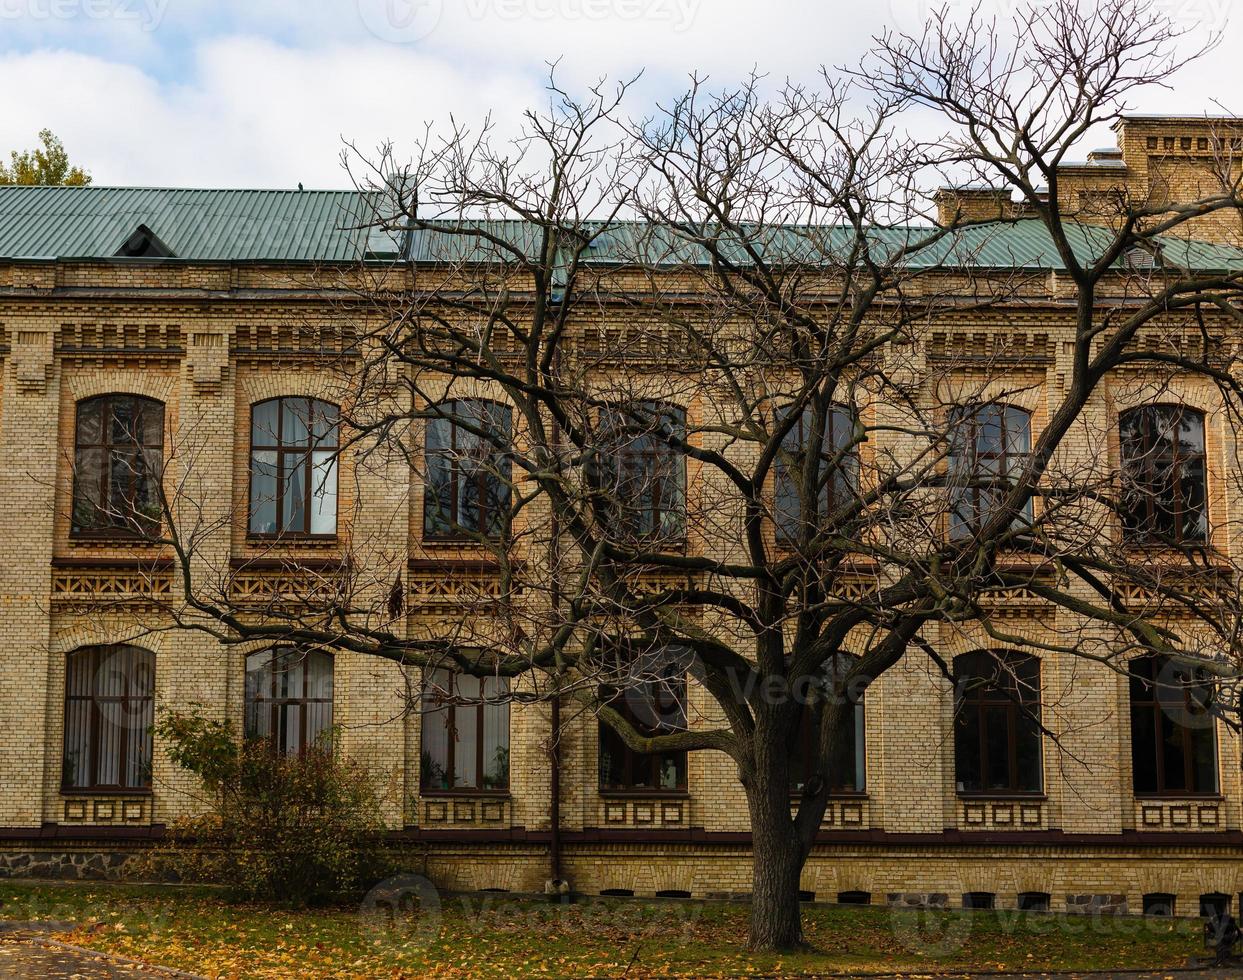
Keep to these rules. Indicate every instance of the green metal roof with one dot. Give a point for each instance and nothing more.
(203, 225)
(1023, 244)
(332, 226)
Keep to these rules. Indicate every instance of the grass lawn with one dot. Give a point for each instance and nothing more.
(496, 935)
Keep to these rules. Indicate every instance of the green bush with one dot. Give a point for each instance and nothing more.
(299, 829)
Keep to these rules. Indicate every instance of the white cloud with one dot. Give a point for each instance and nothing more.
(248, 93)
(248, 112)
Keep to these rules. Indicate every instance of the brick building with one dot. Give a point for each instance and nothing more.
(142, 323)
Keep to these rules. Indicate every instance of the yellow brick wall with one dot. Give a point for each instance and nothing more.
(207, 362)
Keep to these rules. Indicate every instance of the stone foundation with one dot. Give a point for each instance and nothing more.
(83, 865)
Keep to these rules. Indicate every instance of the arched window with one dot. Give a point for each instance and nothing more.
(118, 459)
(1173, 737)
(288, 697)
(989, 446)
(847, 768)
(465, 743)
(837, 469)
(1164, 489)
(997, 723)
(651, 695)
(468, 470)
(109, 710)
(644, 474)
(293, 467)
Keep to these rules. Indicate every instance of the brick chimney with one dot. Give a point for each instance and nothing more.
(973, 202)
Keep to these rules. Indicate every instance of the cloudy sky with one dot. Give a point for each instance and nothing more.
(261, 93)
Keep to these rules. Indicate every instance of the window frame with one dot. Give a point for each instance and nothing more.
(95, 720)
(106, 446)
(282, 451)
(1134, 534)
(458, 532)
(1153, 704)
(449, 707)
(613, 422)
(672, 684)
(807, 734)
(794, 444)
(981, 699)
(968, 417)
(274, 704)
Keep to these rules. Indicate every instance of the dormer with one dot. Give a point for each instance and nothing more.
(143, 243)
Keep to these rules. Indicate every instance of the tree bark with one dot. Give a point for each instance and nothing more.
(777, 864)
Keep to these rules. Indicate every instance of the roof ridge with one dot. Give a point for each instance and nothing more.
(206, 190)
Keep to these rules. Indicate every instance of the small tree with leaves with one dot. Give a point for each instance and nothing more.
(46, 165)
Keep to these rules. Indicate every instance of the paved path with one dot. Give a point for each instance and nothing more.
(29, 955)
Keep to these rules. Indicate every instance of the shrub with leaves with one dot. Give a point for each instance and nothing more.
(298, 829)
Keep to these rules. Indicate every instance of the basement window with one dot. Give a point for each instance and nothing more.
(1213, 904)
(1159, 903)
(1033, 901)
(978, 900)
(854, 898)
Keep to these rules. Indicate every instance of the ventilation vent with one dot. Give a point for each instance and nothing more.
(1142, 258)
(673, 893)
(617, 892)
(143, 243)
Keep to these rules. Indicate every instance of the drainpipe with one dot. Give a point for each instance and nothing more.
(558, 888)
(554, 816)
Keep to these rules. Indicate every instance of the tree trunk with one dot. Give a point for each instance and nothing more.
(777, 864)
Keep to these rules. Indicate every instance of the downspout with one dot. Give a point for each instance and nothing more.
(558, 887)
(554, 815)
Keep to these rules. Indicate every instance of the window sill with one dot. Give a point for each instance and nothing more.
(464, 541)
(293, 539)
(644, 794)
(118, 539)
(1033, 796)
(104, 791)
(1214, 797)
(797, 794)
(474, 794)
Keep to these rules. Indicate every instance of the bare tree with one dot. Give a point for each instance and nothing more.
(738, 436)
